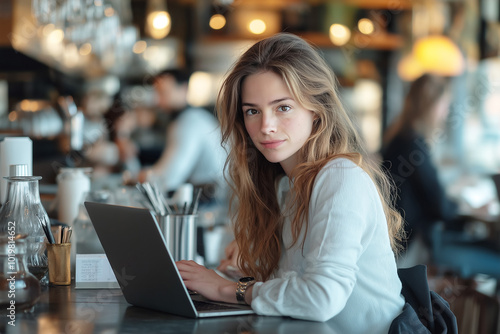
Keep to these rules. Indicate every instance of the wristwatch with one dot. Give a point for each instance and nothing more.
(243, 284)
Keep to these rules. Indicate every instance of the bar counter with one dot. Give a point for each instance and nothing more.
(64, 309)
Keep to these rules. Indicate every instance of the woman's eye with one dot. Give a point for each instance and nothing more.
(250, 112)
(284, 108)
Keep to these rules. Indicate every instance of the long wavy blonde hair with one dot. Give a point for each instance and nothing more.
(257, 216)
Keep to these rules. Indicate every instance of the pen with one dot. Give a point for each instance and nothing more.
(46, 230)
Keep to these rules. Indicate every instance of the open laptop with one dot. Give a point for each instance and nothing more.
(143, 266)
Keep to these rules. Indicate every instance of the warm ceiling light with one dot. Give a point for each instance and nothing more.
(25, 105)
(161, 20)
(365, 26)
(159, 24)
(85, 49)
(139, 47)
(56, 36)
(433, 54)
(409, 68)
(48, 29)
(439, 54)
(200, 89)
(30, 105)
(217, 21)
(339, 34)
(257, 26)
(70, 55)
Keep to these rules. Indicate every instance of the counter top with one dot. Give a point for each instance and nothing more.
(64, 309)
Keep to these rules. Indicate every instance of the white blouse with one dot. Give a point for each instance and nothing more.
(347, 270)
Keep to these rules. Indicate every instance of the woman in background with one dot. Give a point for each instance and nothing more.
(313, 220)
(421, 199)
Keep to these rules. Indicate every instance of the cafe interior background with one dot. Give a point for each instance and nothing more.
(59, 58)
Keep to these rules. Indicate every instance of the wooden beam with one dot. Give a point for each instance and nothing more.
(5, 22)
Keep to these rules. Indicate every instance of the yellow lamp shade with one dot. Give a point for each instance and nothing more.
(439, 55)
(409, 68)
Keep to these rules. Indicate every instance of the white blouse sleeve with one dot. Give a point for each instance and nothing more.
(323, 276)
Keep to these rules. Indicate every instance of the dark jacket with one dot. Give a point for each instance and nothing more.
(425, 311)
(421, 197)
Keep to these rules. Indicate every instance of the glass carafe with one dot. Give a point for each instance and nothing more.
(19, 289)
(21, 214)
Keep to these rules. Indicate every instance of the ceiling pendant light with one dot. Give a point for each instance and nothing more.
(158, 21)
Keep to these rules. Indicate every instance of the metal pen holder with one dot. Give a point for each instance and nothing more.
(179, 231)
(59, 263)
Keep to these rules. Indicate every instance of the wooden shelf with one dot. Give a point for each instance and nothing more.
(280, 4)
(381, 4)
(378, 41)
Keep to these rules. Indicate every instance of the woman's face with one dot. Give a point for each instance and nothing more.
(276, 123)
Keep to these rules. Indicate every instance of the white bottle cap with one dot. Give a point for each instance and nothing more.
(18, 170)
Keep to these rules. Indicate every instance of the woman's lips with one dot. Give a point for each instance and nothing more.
(272, 143)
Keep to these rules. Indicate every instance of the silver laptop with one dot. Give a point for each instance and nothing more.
(143, 266)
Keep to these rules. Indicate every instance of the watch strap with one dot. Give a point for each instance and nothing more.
(241, 288)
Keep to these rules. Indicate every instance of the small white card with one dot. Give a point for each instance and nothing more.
(93, 271)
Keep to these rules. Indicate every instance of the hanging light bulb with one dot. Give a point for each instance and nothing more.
(158, 21)
(217, 21)
(339, 34)
(365, 26)
(257, 26)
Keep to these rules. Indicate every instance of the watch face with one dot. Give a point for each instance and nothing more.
(246, 279)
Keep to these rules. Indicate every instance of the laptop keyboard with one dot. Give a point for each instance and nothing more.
(203, 306)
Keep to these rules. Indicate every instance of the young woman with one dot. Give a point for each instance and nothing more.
(407, 156)
(318, 243)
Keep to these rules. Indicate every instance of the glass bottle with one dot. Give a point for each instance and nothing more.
(22, 211)
(19, 289)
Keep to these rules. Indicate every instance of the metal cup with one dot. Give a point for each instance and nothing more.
(180, 234)
(59, 263)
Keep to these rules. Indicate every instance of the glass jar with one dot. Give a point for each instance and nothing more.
(19, 289)
(21, 213)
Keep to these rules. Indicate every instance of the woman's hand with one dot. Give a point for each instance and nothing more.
(229, 265)
(207, 282)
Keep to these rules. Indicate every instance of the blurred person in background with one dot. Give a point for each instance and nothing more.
(98, 152)
(406, 153)
(149, 133)
(121, 123)
(193, 151)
